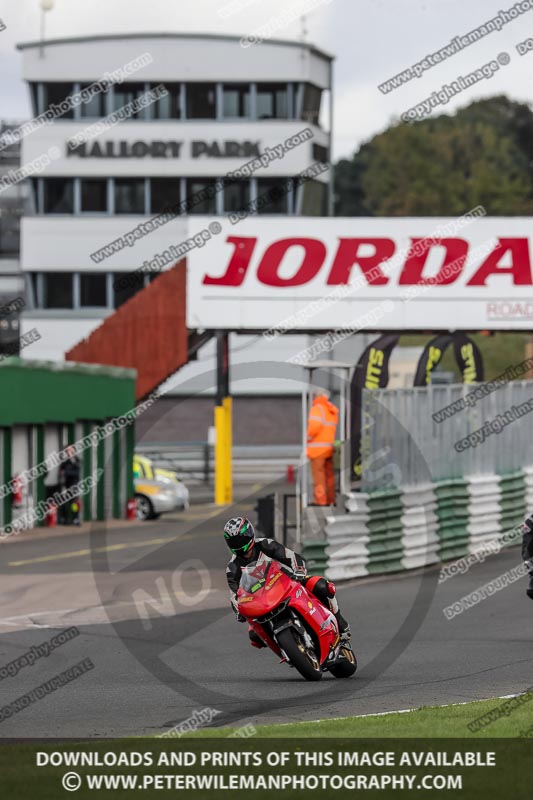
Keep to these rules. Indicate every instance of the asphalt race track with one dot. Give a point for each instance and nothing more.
(164, 642)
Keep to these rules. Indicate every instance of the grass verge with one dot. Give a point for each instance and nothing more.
(428, 722)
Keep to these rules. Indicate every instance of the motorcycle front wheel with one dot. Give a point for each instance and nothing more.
(306, 663)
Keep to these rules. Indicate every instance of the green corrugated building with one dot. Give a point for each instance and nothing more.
(45, 406)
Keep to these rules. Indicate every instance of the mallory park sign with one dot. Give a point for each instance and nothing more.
(164, 149)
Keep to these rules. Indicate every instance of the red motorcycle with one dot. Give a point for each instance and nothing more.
(292, 622)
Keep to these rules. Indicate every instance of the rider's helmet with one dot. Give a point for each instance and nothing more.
(239, 535)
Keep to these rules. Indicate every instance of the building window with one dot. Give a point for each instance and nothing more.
(93, 290)
(95, 107)
(167, 107)
(129, 196)
(58, 196)
(320, 153)
(272, 101)
(236, 100)
(311, 104)
(273, 195)
(236, 196)
(32, 295)
(165, 193)
(314, 200)
(126, 285)
(94, 195)
(34, 90)
(125, 93)
(55, 94)
(201, 196)
(58, 290)
(201, 101)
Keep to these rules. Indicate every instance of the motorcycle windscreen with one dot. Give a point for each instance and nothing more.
(254, 577)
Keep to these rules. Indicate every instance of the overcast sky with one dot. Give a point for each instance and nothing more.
(371, 40)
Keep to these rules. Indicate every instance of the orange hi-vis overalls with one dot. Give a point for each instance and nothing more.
(321, 427)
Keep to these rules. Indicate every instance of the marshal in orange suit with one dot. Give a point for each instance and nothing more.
(321, 427)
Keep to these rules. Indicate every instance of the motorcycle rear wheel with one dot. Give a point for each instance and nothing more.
(347, 667)
(309, 668)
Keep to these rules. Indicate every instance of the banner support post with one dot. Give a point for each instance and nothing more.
(223, 425)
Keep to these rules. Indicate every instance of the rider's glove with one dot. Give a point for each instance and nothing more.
(238, 616)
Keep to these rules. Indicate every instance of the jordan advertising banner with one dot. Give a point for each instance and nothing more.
(313, 273)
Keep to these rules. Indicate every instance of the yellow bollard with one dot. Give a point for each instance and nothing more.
(228, 441)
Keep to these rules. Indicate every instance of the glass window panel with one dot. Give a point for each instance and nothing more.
(236, 100)
(201, 100)
(129, 196)
(94, 195)
(314, 199)
(272, 195)
(56, 93)
(311, 104)
(272, 101)
(197, 202)
(236, 196)
(165, 192)
(93, 289)
(95, 107)
(58, 290)
(126, 285)
(58, 195)
(124, 93)
(167, 107)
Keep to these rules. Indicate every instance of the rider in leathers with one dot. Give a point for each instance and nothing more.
(240, 537)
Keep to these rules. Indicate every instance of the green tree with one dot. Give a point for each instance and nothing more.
(443, 166)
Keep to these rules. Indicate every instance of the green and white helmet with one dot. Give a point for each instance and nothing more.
(239, 535)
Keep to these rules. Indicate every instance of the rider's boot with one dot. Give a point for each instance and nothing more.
(344, 627)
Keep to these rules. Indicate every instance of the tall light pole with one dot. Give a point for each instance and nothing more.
(46, 5)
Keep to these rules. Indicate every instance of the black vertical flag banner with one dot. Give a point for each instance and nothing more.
(433, 352)
(468, 357)
(371, 372)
